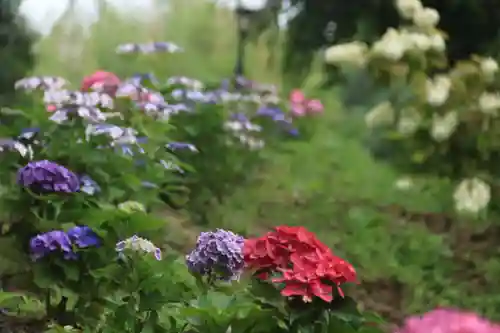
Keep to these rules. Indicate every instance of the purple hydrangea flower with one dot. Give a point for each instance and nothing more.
(181, 146)
(46, 176)
(217, 254)
(51, 241)
(83, 236)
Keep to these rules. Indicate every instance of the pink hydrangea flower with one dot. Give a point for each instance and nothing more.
(448, 321)
(315, 106)
(301, 106)
(297, 97)
(298, 110)
(101, 81)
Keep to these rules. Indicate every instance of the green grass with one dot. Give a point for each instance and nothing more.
(331, 185)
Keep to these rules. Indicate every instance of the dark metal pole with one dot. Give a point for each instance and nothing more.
(242, 16)
(240, 52)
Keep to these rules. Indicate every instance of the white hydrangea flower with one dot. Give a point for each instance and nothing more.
(409, 121)
(418, 41)
(438, 43)
(426, 18)
(251, 143)
(443, 126)
(489, 103)
(138, 244)
(408, 8)
(381, 114)
(472, 196)
(353, 53)
(489, 66)
(403, 183)
(438, 90)
(392, 45)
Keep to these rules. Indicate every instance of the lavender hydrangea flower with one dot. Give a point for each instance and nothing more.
(83, 237)
(56, 240)
(88, 185)
(48, 177)
(217, 254)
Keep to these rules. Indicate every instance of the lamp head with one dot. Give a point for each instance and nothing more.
(252, 5)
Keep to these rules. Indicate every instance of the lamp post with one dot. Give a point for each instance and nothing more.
(244, 12)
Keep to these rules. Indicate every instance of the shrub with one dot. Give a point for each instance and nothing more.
(445, 124)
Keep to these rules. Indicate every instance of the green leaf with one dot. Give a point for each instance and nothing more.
(6, 296)
(71, 272)
(42, 277)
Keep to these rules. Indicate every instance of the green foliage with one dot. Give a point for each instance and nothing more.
(16, 42)
(80, 260)
(224, 135)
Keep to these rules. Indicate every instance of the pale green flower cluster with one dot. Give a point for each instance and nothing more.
(131, 207)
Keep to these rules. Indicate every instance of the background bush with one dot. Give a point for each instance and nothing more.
(16, 42)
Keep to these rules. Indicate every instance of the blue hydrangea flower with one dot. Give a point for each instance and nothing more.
(217, 254)
(46, 177)
(88, 185)
(181, 146)
(52, 241)
(29, 133)
(83, 237)
(271, 112)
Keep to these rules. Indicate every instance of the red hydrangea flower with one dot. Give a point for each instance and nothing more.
(448, 321)
(306, 266)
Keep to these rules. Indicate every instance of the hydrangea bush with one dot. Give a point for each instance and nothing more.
(83, 173)
(444, 122)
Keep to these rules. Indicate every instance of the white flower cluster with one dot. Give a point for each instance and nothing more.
(137, 244)
(117, 134)
(380, 115)
(472, 196)
(13, 145)
(148, 48)
(443, 126)
(88, 113)
(489, 103)
(187, 82)
(40, 83)
(61, 98)
(242, 128)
